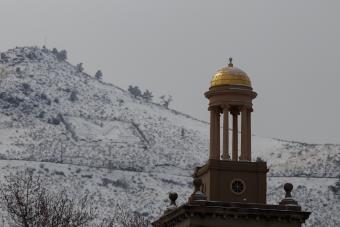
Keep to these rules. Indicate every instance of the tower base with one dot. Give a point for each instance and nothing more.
(220, 176)
(221, 214)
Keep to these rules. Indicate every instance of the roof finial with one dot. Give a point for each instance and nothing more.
(172, 196)
(230, 62)
(197, 195)
(288, 200)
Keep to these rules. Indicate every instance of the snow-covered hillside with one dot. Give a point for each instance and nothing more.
(89, 136)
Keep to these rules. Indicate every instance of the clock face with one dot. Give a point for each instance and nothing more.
(237, 186)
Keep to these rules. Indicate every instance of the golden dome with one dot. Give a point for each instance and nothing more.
(230, 76)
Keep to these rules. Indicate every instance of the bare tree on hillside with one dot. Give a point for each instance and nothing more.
(165, 101)
(30, 204)
(125, 218)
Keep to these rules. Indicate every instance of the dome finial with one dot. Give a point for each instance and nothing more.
(230, 62)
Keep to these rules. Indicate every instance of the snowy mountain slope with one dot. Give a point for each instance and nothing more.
(86, 135)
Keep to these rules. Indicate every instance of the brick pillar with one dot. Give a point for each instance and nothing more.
(214, 134)
(225, 155)
(235, 135)
(249, 110)
(244, 134)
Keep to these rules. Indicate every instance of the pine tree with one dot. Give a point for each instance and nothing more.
(98, 75)
(147, 95)
(135, 91)
(80, 67)
(62, 55)
(55, 51)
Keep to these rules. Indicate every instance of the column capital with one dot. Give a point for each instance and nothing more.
(216, 109)
(246, 108)
(225, 107)
(235, 110)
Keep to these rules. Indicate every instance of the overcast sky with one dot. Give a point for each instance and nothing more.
(290, 50)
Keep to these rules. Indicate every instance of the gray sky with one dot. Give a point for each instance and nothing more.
(290, 50)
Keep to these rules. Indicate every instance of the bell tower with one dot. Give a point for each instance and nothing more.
(230, 189)
(230, 93)
(232, 176)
